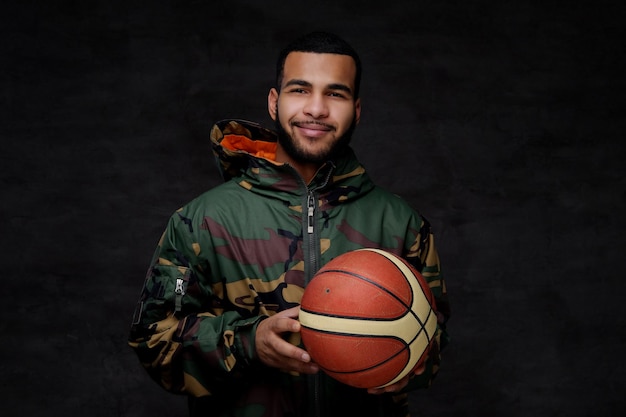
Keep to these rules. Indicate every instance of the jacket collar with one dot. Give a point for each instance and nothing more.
(245, 150)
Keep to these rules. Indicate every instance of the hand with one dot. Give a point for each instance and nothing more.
(275, 351)
(398, 386)
(393, 388)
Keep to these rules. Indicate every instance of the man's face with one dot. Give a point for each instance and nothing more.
(315, 111)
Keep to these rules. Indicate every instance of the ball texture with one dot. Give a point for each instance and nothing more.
(368, 318)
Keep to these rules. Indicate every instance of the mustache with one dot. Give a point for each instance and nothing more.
(301, 123)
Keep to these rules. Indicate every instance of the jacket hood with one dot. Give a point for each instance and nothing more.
(235, 141)
(246, 150)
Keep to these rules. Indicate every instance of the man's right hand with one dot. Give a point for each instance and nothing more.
(275, 351)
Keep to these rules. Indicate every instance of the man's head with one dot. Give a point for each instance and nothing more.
(319, 43)
(315, 105)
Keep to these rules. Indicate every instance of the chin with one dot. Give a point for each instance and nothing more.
(332, 147)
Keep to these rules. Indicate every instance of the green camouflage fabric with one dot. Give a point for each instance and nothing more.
(245, 250)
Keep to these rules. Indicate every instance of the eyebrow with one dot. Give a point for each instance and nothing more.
(301, 83)
(334, 86)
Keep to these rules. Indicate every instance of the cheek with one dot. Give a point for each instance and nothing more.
(283, 116)
(346, 121)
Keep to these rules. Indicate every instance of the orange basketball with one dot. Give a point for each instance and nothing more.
(368, 318)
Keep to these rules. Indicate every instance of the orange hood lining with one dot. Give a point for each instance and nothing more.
(258, 148)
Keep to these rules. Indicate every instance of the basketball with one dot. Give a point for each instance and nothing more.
(367, 318)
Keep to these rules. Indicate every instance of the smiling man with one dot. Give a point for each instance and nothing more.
(218, 315)
(316, 109)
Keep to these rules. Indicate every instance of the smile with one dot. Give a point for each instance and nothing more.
(313, 128)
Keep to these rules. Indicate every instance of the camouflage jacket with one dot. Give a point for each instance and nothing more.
(245, 250)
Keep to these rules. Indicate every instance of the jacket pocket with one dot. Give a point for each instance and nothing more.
(165, 291)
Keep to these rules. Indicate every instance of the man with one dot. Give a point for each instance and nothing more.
(217, 319)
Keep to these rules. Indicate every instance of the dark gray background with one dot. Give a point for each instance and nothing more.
(501, 121)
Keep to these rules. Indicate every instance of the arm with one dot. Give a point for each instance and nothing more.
(189, 338)
(423, 255)
(182, 333)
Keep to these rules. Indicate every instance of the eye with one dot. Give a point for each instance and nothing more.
(337, 94)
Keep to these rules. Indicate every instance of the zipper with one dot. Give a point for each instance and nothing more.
(310, 269)
(311, 240)
(179, 290)
(311, 252)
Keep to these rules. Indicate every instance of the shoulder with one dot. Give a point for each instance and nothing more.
(393, 201)
(218, 198)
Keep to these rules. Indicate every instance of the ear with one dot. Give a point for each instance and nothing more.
(272, 103)
(357, 110)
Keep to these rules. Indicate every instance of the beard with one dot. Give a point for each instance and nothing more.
(300, 154)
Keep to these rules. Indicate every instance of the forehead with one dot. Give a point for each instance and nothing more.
(318, 68)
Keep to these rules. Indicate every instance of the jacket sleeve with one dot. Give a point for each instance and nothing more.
(180, 331)
(423, 255)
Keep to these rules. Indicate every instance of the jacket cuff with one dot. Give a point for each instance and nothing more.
(246, 340)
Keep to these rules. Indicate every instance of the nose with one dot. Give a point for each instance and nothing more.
(316, 106)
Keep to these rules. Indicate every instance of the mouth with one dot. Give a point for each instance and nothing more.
(312, 128)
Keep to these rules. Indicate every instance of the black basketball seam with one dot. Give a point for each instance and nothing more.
(361, 277)
(404, 348)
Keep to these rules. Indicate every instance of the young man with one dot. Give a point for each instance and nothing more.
(217, 319)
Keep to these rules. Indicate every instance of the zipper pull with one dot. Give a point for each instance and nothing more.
(179, 287)
(311, 213)
(179, 290)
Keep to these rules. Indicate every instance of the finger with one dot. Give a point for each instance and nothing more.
(300, 367)
(397, 387)
(420, 369)
(284, 355)
(291, 312)
(289, 350)
(390, 389)
(375, 391)
(283, 322)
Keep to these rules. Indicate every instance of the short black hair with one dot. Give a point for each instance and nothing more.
(321, 43)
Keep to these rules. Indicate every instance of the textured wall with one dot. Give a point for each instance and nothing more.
(501, 121)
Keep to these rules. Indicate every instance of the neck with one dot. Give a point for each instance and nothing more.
(305, 169)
